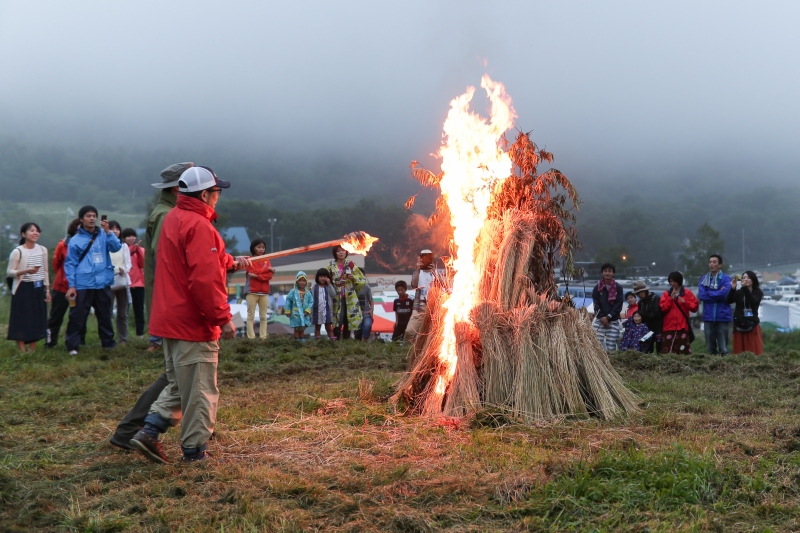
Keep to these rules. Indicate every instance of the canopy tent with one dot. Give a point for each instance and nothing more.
(786, 316)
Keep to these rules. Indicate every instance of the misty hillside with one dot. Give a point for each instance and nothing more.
(316, 201)
(119, 178)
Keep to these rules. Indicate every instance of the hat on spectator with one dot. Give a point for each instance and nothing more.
(425, 251)
(171, 174)
(199, 179)
(639, 286)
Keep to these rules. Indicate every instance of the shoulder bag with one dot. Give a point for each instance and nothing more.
(745, 323)
(688, 322)
(10, 279)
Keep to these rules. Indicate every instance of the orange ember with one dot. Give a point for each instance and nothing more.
(473, 164)
(358, 242)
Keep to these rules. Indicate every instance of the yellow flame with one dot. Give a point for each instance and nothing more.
(473, 163)
(358, 242)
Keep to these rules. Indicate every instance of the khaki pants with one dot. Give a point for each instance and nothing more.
(191, 395)
(415, 322)
(262, 301)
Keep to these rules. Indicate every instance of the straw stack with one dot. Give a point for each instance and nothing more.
(524, 350)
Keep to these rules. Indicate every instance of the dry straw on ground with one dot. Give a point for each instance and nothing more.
(526, 350)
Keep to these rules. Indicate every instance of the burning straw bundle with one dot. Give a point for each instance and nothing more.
(523, 349)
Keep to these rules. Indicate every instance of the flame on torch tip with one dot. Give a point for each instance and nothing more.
(358, 242)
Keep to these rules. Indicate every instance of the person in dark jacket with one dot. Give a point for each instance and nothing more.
(717, 316)
(608, 299)
(747, 326)
(60, 305)
(650, 309)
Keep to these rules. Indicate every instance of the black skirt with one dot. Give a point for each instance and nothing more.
(28, 320)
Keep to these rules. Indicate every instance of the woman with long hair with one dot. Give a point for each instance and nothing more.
(121, 260)
(257, 289)
(347, 280)
(746, 324)
(677, 304)
(60, 305)
(30, 291)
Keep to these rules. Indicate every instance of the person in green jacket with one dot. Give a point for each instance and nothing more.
(134, 420)
(167, 200)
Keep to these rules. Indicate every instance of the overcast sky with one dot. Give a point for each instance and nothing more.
(640, 88)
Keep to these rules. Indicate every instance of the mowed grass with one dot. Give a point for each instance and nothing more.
(306, 441)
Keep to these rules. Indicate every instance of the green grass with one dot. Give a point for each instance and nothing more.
(307, 442)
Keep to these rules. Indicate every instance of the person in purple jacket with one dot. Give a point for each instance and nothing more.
(717, 315)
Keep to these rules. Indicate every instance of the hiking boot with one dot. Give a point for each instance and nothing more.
(196, 457)
(153, 347)
(120, 442)
(150, 448)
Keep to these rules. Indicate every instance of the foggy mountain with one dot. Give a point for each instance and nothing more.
(663, 116)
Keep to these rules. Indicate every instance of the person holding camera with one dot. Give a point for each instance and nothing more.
(421, 281)
(746, 324)
(90, 274)
(30, 289)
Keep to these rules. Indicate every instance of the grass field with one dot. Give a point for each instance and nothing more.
(307, 442)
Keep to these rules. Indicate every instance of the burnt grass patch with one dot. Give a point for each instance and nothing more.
(306, 441)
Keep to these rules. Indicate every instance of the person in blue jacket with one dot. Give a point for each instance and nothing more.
(299, 305)
(717, 315)
(90, 274)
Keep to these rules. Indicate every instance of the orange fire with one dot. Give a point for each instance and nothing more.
(473, 164)
(358, 242)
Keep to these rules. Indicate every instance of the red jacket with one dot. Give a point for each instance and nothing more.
(259, 275)
(631, 309)
(59, 256)
(673, 319)
(137, 266)
(190, 300)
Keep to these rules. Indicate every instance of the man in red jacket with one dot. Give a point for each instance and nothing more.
(190, 309)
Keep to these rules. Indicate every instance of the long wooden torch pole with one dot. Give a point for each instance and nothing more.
(300, 250)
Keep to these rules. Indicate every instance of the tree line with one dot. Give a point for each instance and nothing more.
(322, 200)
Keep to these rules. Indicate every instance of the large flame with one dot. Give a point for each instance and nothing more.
(358, 242)
(473, 164)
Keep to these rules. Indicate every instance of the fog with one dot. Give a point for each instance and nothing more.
(634, 89)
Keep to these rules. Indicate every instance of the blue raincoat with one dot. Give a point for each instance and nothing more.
(299, 305)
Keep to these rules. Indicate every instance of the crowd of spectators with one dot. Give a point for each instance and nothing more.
(662, 323)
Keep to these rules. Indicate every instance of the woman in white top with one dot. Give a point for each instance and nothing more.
(30, 291)
(122, 281)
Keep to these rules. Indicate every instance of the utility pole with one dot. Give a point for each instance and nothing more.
(743, 265)
(272, 222)
(70, 214)
(280, 239)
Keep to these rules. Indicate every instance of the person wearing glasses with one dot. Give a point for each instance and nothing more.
(190, 313)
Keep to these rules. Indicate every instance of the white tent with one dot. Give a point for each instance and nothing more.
(785, 315)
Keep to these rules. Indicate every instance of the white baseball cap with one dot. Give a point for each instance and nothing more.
(425, 251)
(199, 179)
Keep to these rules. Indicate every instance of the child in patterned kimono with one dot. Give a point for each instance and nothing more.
(299, 304)
(635, 331)
(323, 294)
